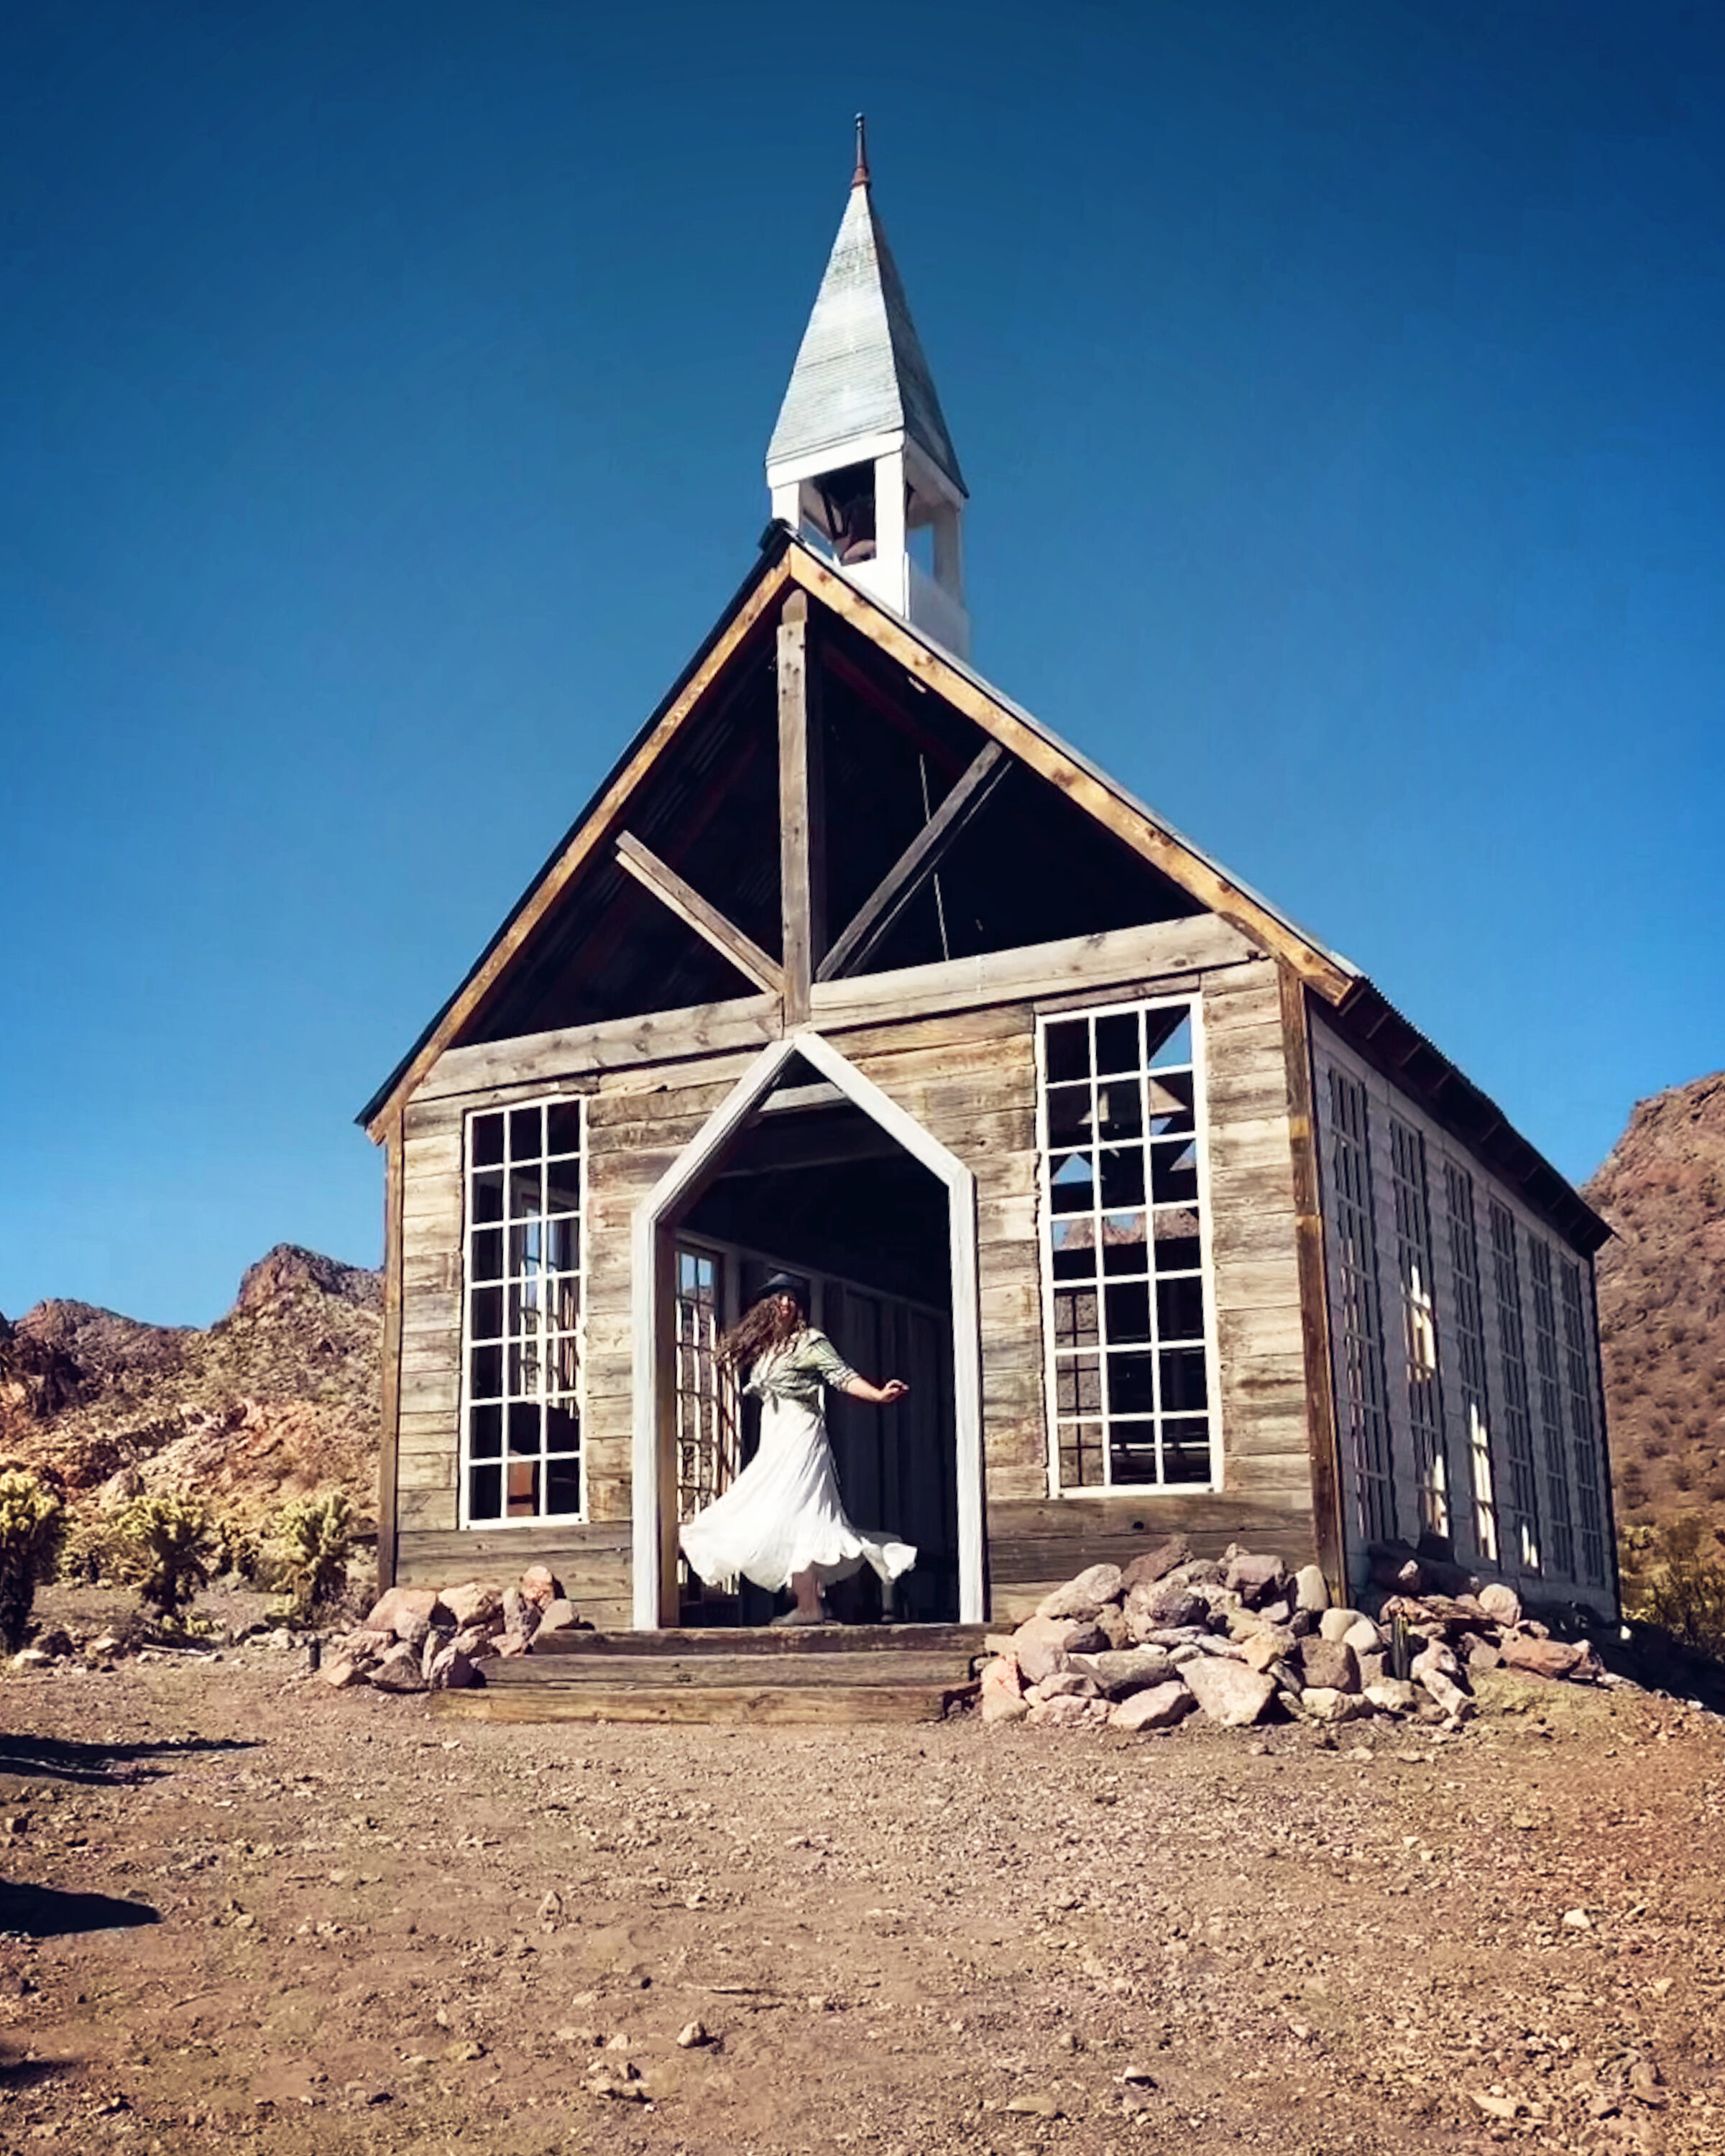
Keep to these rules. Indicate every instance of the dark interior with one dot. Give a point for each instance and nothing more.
(1031, 869)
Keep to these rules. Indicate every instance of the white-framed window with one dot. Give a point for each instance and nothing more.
(1360, 1334)
(1414, 1263)
(1517, 1413)
(1559, 1517)
(1130, 1344)
(521, 1449)
(1468, 1334)
(709, 1427)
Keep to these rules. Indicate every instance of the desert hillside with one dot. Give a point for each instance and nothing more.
(278, 1396)
(1662, 1305)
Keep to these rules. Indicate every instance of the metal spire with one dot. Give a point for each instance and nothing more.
(860, 177)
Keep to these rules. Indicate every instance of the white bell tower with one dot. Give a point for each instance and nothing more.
(861, 462)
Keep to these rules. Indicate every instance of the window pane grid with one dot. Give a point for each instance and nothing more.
(1512, 1363)
(1412, 1245)
(1551, 1409)
(1470, 1336)
(1123, 1250)
(1364, 1393)
(1589, 1503)
(522, 1373)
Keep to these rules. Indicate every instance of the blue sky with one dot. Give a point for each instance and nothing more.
(383, 398)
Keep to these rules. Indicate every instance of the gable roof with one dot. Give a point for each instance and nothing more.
(1360, 1012)
(860, 370)
(784, 560)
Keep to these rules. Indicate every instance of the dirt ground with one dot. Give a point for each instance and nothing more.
(244, 1911)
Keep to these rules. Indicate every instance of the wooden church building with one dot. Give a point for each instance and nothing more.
(852, 968)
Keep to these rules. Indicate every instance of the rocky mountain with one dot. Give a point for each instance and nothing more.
(1662, 1306)
(278, 1396)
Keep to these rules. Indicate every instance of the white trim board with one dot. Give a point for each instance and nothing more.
(652, 1472)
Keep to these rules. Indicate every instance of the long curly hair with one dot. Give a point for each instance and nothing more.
(764, 1325)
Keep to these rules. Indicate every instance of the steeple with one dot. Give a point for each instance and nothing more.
(860, 460)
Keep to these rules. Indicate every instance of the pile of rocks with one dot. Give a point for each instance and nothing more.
(435, 1639)
(1244, 1640)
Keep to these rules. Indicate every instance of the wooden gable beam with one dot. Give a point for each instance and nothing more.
(802, 810)
(584, 842)
(884, 904)
(1028, 745)
(688, 905)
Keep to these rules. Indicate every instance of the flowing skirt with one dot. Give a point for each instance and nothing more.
(783, 1513)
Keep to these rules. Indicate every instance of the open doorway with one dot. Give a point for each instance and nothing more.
(811, 1186)
(828, 1102)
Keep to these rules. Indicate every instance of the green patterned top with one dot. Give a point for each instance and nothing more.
(799, 1370)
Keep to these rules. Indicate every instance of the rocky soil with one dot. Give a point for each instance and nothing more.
(246, 1910)
(1662, 1305)
(278, 1397)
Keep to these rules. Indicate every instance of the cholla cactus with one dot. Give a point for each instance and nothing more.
(313, 1538)
(166, 1549)
(32, 1522)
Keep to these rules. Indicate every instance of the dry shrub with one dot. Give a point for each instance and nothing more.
(33, 1522)
(166, 1547)
(1672, 1579)
(311, 1538)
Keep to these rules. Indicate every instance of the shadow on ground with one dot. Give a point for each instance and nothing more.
(48, 1912)
(60, 1759)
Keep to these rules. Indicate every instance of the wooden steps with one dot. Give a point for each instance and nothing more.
(829, 1675)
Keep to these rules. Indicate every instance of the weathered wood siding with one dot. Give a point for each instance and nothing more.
(1035, 1541)
(968, 1077)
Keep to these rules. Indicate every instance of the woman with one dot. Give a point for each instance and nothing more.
(782, 1522)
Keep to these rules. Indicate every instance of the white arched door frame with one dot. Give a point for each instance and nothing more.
(652, 1253)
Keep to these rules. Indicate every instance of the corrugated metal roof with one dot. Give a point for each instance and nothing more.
(860, 370)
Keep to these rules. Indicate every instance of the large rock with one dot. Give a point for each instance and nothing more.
(1269, 1646)
(1255, 1580)
(1329, 1666)
(560, 1615)
(1111, 1621)
(401, 1608)
(1156, 1563)
(1311, 1593)
(341, 1673)
(1392, 1696)
(474, 1640)
(519, 1615)
(473, 1602)
(1162, 1605)
(1228, 1692)
(539, 1586)
(1337, 1624)
(398, 1670)
(1065, 1684)
(1501, 1603)
(1541, 1658)
(1002, 1699)
(1364, 1638)
(1118, 1674)
(1326, 1703)
(1160, 1708)
(451, 1671)
(1041, 1645)
(1086, 1596)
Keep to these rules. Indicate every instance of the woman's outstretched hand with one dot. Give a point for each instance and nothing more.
(877, 1396)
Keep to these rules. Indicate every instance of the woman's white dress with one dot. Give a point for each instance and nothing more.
(783, 1512)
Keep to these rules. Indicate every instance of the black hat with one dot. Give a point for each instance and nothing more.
(785, 1284)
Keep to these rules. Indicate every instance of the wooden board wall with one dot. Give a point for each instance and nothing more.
(968, 1077)
(1035, 1541)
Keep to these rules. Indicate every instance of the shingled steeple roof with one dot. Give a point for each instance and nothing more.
(860, 372)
